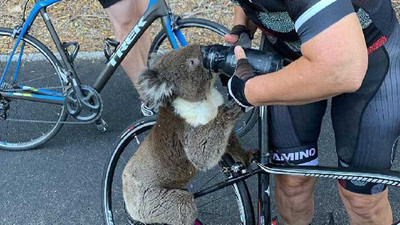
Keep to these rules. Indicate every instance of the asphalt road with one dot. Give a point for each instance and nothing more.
(60, 183)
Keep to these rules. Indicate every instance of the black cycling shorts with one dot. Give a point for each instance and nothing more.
(108, 3)
(366, 123)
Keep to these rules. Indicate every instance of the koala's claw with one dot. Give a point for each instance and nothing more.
(231, 109)
(253, 156)
(230, 104)
(249, 157)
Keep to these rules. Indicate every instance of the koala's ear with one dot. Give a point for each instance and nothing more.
(153, 91)
(155, 57)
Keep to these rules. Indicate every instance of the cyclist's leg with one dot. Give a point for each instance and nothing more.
(366, 125)
(123, 15)
(367, 209)
(294, 133)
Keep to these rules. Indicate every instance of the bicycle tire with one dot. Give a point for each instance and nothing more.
(248, 120)
(16, 132)
(188, 23)
(114, 212)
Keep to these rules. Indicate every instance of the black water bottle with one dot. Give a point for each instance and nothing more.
(221, 59)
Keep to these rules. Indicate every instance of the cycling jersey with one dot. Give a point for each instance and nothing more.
(366, 122)
(289, 23)
(108, 3)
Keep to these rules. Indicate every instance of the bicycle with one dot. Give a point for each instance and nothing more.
(226, 184)
(34, 107)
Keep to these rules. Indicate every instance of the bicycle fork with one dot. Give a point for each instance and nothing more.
(264, 208)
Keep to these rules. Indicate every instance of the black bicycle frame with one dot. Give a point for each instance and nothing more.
(66, 63)
(264, 200)
(155, 10)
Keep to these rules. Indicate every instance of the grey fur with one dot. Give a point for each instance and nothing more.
(173, 152)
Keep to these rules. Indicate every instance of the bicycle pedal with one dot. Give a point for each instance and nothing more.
(4, 107)
(101, 125)
(74, 52)
(109, 47)
(3, 113)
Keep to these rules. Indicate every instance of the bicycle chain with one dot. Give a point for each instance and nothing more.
(11, 88)
(62, 122)
(54, 122)
(8, 87)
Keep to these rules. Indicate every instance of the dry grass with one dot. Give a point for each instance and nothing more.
(85, 21)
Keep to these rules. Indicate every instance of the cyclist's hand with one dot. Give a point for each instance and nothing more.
(239, 35)
(237, 82)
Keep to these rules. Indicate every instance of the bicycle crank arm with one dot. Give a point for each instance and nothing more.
(84, 103)
(84, 98)
(33, 97)
(385, 177)
(79, 95)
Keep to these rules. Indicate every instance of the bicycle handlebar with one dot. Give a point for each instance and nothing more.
(219, 58)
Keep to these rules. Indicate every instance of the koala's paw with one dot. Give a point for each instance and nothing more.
(231, 110)
(246, 158)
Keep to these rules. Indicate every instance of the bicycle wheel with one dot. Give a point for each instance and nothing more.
(28, 124)
(230, 205)
(204, 32)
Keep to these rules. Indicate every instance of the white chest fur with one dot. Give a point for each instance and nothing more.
(199, 113)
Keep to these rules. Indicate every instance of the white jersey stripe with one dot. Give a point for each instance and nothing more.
(311, 12)
(313, 162)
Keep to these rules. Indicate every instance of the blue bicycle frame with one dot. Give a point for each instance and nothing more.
(155, 9)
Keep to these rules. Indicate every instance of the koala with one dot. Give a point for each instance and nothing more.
(193, 131)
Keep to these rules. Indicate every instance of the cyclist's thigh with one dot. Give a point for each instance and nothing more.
(108, 3)
(366, 122)
(294, 132)
(123, 10)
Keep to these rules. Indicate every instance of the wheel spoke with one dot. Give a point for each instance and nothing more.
(210, 213)
(206, 183)
(207, 203)
(28, 124)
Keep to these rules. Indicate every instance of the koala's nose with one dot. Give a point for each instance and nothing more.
(195, 62)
